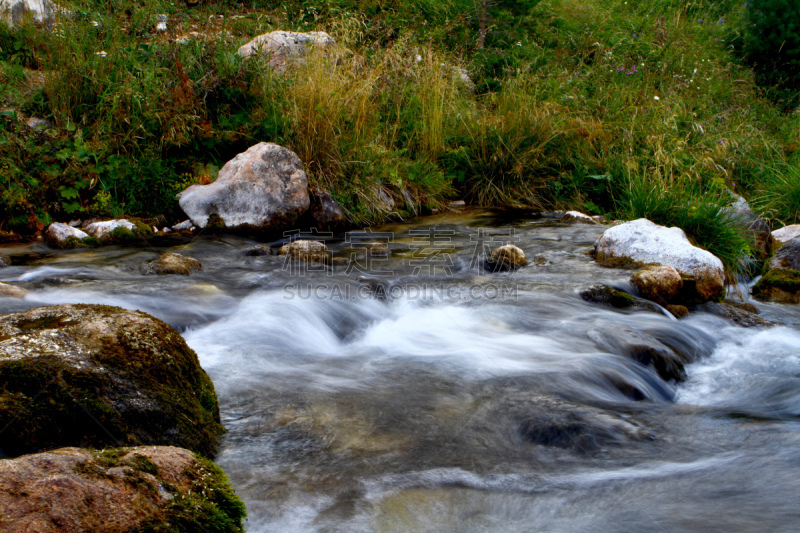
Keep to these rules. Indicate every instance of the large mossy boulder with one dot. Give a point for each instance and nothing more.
(261, 189)
(642, 243)
(788, 256)
(99, 376)
(144, 489)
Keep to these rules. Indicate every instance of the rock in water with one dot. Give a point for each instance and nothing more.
(10, 291)
(788, 256)
(577, 217)
(99, 230)
(658, 283)
(607, 295)
(786, 233)
(779, 285)
(305, 250)
(98, 376)
(172, 263)
(262, 188)
(153, 488)
(642, 243)
(506, 257)
(63, 235)
(286, 48)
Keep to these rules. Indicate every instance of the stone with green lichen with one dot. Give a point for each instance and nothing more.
(144, 489)
(604, 294)
(96, 376)
(779, 285)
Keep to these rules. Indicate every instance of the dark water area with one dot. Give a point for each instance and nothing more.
(418, 392)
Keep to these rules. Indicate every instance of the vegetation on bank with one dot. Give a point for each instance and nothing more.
(656, 108)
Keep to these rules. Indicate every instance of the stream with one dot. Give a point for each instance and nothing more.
(418, 392)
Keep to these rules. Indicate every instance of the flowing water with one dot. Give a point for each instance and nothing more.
(420, 393)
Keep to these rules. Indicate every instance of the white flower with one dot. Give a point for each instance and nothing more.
(418, 59)
(101, 53)
(95, 23)
(656, 98)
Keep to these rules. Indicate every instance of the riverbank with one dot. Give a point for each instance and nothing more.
(624, 110)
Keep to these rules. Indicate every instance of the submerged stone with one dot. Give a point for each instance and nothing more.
(98, 376)
(607, 295)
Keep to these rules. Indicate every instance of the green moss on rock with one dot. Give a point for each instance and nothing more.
(604, 294)
(779, 285)
(99, 376)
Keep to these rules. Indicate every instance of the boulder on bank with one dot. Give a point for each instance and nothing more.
(16, 11)
(286, 48)
(61, 235)
(505, 258)
(171, 263)
(153, 488)
(262, 188)
(788, 256)
(658, 283)
(325, 210)
(643, 243)
(786, 233)
(98, 376)
(306, 250)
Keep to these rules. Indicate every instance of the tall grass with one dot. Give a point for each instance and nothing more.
(572, 99)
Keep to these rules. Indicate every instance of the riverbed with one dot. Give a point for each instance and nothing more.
(417, 391)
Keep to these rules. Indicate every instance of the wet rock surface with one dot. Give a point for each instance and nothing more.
(152, 488)
(506, 258)
(171, 263)
(658, 283)
(779, 285)
(89, 375)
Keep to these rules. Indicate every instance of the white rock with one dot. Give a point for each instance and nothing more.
(641, 242)
(577, 216)
(15, 11)
(185, 225)
(786, 233)
(286, 47)
(257, 189)
(58, 234)
(99, 230)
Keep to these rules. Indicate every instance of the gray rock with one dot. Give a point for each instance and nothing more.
(172, 263)
(5, 261)
(643, 348)
(186, 225)
(261, 188)
(642, 243)
(286, 48)
(62, 235)
(15, 11)
(325, 210)
(743, 315)
(788, 256)
(258, 250)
